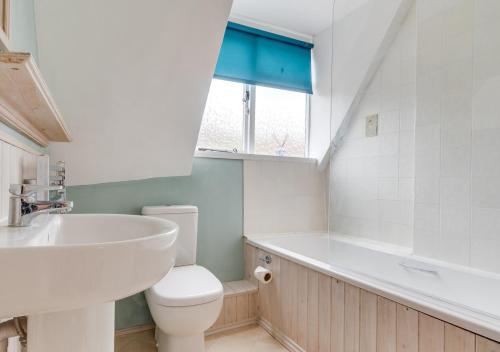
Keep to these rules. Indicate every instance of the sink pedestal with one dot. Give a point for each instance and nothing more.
(81, 330)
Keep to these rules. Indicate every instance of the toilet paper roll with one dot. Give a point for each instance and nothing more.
(264, 275)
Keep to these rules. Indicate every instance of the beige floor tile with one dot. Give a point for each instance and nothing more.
(138, 342)
(247, 339)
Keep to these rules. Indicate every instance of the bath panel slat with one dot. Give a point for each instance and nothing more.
(324, 318)
(285, 297)
(485, 345)
(230, 310)
(431, 334)
(294, 288)
(264, 295)
(241, 307)
(407, 329)
(386, 325)
(351, 319)
(302, 308)
(458, 340)
(312, 311)
(368, 323)
(252, 306)
(275, 294)
(338, 316)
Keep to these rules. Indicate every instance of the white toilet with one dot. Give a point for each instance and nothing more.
(188, 300)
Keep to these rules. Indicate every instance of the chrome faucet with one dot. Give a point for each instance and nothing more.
(24, 206)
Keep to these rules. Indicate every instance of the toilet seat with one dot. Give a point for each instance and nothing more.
(184, 286)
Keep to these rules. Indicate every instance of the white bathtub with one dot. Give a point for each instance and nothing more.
(462, 296)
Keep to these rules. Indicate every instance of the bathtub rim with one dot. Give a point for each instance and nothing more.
(454, 314)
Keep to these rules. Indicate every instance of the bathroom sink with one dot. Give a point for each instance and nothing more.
(69, 262)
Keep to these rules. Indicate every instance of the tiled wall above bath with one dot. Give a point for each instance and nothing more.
(373, 177)
(16, 164)
(451, 149)
(284, 196)
(457, 208)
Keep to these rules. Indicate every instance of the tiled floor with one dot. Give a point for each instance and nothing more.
(136, 342)
(248, 339)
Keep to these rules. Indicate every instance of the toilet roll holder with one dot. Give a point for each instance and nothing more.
(266, 259)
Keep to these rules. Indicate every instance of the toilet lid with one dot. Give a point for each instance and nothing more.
(186, 286)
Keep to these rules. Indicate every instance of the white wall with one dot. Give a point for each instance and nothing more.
(131, 80)
(362, 33)
(321, 100)
(283, 196)
(360, 41)
(373, 177)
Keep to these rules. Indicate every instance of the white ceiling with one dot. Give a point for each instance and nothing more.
(303, 17)
(307, 17)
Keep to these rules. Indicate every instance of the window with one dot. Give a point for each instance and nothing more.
(242, 112)
(254, 119)
(222, 124)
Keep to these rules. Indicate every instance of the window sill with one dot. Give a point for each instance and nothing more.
(259, 157)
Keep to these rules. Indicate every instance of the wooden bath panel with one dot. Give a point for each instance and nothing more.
(310, 311)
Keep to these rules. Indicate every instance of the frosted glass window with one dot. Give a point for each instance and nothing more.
(254, 119)
(222, 124)
(280, 122)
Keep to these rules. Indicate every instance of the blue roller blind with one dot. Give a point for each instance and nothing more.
(253, 56)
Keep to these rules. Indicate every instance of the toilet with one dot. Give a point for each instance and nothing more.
(188, 300)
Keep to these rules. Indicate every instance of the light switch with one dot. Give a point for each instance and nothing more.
(372, 125)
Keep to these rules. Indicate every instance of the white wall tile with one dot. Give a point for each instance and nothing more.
(406, 189)
(455, 192)
(486, 153)
(485, 192)
(373, 201)
(441, 77)
(484, 254)
(486, 105)
(388, 188)
(455, 223)
(427, 217)
(485, 223)
(284, 197)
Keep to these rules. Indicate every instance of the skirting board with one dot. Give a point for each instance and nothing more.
(230, 327)
(288, 343)
(141, 328)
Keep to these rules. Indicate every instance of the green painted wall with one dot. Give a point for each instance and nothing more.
(215, 186)
(23, 28)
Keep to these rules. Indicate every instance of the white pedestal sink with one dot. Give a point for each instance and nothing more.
(66, 271)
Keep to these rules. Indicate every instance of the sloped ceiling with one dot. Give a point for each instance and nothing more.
(131, 79)
(300, 16)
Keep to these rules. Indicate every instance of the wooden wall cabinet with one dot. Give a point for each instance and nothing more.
(26, 104)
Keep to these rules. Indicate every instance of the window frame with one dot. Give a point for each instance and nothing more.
(249, 101)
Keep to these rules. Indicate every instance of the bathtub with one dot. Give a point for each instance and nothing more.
(460, 295)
